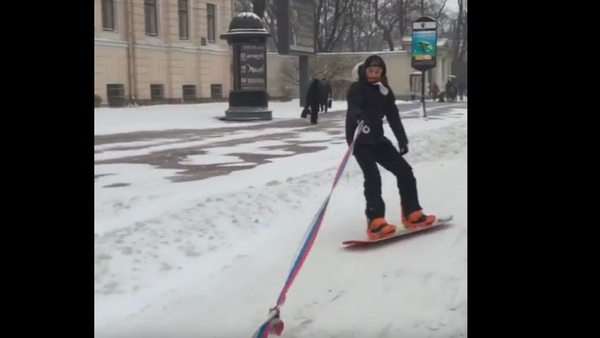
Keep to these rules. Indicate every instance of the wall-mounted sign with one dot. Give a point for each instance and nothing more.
(296, 26)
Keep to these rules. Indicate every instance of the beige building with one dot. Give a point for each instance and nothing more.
(169, 51)
(161, 49)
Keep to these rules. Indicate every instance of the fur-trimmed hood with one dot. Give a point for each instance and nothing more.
(355, 71)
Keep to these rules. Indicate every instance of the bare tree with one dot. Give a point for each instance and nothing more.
(259, 7)
(459, 49)
(355, 25)
(240, 6)
(386, 19)
(402, 18)
(394, 17)
(332, 19)
(410, 10)
(438, 8)
(363, 33)
(271, 23)
(337, 70)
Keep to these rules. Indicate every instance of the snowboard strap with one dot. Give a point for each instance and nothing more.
(274, 324)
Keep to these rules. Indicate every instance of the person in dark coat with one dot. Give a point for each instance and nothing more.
(370, 100)
(451, 91)
(325, 95)
(312, 101)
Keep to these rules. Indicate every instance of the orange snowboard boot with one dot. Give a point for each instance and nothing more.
(418, 219)
(379, 228)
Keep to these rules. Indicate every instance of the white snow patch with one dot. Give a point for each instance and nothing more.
(457, 111)
(210, 159)
(415, 126)
(193, 116)
(219, 248)
(253, 148)
(311, 136)
(140, 175)
(421, 296)
(419, 110)
(106, 146)
(168, 196)
(237, 135)
(245, 164)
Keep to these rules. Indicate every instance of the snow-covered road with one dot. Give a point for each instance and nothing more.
(209, 258)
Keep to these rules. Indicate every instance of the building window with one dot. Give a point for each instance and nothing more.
(216, 91)
(184, 19)
(108, 15)
(211, 22)
(115, 94)
(189, 93)
(157, 92)
(415, 83)
(151, 17)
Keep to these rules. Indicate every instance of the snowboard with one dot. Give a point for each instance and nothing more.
(399, 233)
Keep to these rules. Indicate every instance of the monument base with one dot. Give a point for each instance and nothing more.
(248, 114)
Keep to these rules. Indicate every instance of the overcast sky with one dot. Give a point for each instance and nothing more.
(452, 5)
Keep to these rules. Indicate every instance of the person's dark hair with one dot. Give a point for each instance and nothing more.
(384, 80)
(362, 76)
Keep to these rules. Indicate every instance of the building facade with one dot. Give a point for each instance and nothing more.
(161, 50)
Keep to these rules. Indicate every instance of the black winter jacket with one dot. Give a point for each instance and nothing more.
(312, 95)
(367, 103)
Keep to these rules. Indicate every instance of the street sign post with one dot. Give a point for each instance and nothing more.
(424, 50)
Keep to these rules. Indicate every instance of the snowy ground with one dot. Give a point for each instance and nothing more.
(208, 258)
(191, 116)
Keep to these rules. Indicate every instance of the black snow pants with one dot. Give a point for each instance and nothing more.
(386, 155)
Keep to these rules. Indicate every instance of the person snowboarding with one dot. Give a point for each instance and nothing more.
(370, 99)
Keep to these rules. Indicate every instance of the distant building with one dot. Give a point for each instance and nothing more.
(161, 50)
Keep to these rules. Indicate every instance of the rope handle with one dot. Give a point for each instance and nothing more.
(277, 324)
(273, 324)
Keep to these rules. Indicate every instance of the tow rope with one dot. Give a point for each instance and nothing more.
(274, 324)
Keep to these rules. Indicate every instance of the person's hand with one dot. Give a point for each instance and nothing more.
(403, 148)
